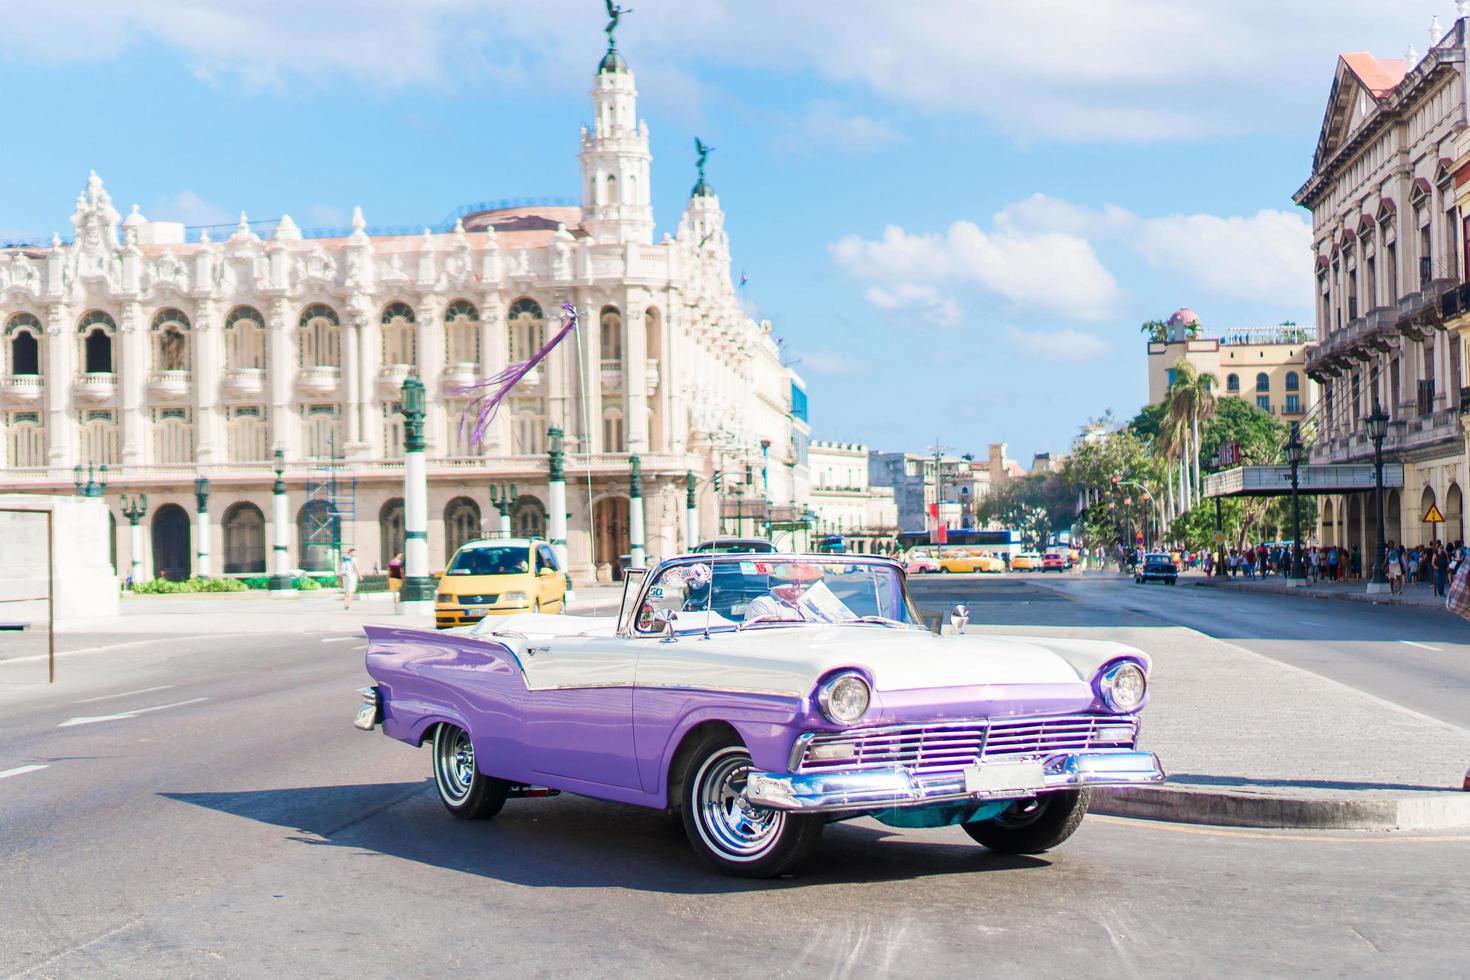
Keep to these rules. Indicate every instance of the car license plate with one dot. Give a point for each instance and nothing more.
(1004, 778)
(476, 610)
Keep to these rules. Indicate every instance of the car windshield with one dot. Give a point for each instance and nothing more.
(726, 593)
(491, 560)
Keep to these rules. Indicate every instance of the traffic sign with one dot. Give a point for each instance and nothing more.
(1219, 537)
(1138, 539)
(1433, 516)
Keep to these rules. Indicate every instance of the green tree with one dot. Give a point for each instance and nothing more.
(1034, 506)
(1157, 331)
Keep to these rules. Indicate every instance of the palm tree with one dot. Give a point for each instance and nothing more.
(1191, 400)
(1171, 446)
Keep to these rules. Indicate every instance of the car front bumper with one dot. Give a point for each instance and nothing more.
(877, 789)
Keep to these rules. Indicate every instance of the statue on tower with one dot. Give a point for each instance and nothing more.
(703, 153)
(615, 13)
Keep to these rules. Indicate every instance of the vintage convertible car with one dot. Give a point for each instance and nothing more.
(761, 697)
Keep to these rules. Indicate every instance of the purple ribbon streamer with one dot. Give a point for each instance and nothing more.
(492, 391)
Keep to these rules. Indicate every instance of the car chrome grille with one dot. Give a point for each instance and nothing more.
(477, 600)
(954, 745)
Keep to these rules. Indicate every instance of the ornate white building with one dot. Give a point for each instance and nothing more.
(169, 356)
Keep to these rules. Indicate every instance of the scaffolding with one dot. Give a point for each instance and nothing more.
(330, 513)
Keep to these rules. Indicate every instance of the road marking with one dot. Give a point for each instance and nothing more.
(1369, 837)
(20, 771)
(1422, 646)
(124, 694)
(126, 714)
(1309, 622)
(339, 639)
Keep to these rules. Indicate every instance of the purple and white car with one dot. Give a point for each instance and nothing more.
(762, 697)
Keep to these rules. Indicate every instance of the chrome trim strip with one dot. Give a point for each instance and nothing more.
(879, 789)
(667, 687)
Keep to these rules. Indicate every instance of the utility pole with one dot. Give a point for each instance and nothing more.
(937, 451)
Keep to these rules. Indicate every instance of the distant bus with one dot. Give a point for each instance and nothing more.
(1003, 542)
(832, 544)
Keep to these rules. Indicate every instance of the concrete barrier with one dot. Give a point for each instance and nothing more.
(86, 585)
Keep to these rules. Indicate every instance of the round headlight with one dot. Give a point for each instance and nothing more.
(1123, 687)
(844, 699)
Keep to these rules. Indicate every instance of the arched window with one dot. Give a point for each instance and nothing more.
(400, 342)
(527, 431)
(318, 533)
(173, 436)
(245, 340)
(97, 330)
(244, 529)
(249, 436)
(528, 517)
(462, 333)
(612, 189)
(319, 337)
(390, 530)
(169, 332)
(323, 441)
(611, 334)
(23, 334)
(1293, 383)
(99, 438)
(527, 325)
(461, 524)
(613, 437)
(1232, 382)
(1263, 381)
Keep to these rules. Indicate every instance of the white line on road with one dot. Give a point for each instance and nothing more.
(20, 771)
(108, 697)
(127, 714)
(1309, 622)
(1422, 646)
(339, 639)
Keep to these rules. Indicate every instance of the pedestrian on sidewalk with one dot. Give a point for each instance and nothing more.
(1357, 563)
(1314, 564)
(1441, 572)
(1333, 557)
(347, 576)
(1395, 569)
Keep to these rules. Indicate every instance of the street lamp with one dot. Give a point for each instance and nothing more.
(134, 509)
(416, 595)
(1294, 458)
(503, 498)
(282, 583)
(556, 494)
(1377, 425)
(201, 497)
(91, 487)
(1220, 571)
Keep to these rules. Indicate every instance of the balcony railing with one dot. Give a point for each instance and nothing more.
(168, 386)
(21, 389)
(95, 387)
(318, 380)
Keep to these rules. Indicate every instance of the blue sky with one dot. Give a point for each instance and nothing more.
(956, 212)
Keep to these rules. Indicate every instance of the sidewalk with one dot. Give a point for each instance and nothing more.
(1416, 594)
(1249, 741)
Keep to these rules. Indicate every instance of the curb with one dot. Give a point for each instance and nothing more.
(1363, 597)
(1429, 811)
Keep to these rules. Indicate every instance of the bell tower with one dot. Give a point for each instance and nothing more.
(616, 203)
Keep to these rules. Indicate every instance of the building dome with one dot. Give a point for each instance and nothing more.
(612, 63)
(1183, 317)
(702, 189)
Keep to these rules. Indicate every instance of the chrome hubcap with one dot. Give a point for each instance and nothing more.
(726, 821)
(454, 764)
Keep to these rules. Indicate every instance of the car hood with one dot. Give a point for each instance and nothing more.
(485, 584)
(790, 660)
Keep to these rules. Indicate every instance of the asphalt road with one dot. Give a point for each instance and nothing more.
(207, 808)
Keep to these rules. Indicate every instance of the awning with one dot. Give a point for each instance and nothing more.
(1275, 481)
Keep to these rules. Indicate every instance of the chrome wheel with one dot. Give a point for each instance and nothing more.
(726, 823)
(454, 764)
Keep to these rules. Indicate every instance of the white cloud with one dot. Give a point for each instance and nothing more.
(1061, 345)
(191, 209)
(1042, 272)
(930, 304)
(829, 362)
(1101, 69)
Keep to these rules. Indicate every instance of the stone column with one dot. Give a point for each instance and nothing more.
(131, 349)
(60, 370)
(430, 342)
(635, 386)
(208, 368)
(636, 537)
(417, 595)
(556, 495)
(369, 359)
(281, 365)
(282, 583)
(352, 385)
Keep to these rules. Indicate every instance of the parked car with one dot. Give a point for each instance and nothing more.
(1053, 562)
(968, 561)
(499, 577)
(920, 563)
(1026, 561)
(1157, 568)
(731, 546)
(761, 698)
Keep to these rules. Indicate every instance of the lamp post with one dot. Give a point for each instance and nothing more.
(91, 487)
(556, 495)
(691, 511)
(201, 498)
(134, 509)
(282, 582)
(1294, 458)
(1220, 571)
(1377, 425)
(636, 556)
(503, 498)
(416, 597)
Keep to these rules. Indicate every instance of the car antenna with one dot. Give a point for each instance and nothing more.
(709, 600)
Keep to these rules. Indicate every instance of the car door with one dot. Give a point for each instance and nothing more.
(577, 721)
(550, 588)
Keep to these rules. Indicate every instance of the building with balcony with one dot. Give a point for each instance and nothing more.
(167, 353)
(1266, 366)
(1386, 227)
(844, 502)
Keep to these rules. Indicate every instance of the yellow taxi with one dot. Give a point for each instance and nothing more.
(969, 561)
(498, 577)
(1026, 561)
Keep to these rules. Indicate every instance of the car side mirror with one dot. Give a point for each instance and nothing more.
(959, 618)
(663, 622)
(548, 570)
